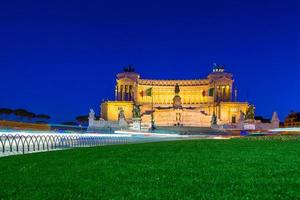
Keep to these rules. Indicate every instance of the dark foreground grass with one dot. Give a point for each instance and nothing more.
(203, 169)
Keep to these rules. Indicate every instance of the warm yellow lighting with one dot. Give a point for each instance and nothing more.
(198, 101)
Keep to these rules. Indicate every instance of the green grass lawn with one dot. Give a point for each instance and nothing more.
(198, 169)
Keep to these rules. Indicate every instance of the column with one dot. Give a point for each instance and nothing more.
(116, 92)
(130, 93)
(126, 93)
(122, 93)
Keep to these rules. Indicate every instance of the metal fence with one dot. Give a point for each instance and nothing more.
(14, 144)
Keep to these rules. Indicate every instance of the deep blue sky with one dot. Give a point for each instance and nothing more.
(61, 57)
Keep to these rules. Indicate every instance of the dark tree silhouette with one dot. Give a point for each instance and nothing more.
(42, 117)
(21, 113)
(30, 115)
(41, 122)
(82, 119)
(6, 111)
(69, 123)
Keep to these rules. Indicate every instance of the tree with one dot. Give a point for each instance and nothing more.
(41, 122)
(21, 113)
(30, 115)
(69, 123)
(82, 119)
(5, 111)
(250, 113)
(42, 117)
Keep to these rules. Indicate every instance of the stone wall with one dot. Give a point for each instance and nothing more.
(110, 110)
(24, 126)
(178, 117)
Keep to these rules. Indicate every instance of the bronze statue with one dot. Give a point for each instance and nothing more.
(177, 89)
(136, 111)
(177, 99)
(250, 113)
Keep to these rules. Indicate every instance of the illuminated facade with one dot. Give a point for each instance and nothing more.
(292, 120)
(198, 99)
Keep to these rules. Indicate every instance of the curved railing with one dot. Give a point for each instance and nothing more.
(14, 144)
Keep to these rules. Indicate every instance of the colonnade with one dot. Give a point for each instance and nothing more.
(159, 97)
(124, 92)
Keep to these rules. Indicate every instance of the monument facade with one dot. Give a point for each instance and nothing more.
(175, 102)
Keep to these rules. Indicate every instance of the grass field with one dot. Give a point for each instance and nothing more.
(198, 169)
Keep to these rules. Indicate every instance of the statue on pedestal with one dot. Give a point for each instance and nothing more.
(177, 89)
(122, 121)
(136, 111)
(136, 119)
(91, 117)
(241, 121)
(242, 116)
(177, 99)
(250, 113)
(92, 113)
(121, 114)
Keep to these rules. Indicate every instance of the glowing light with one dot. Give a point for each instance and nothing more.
(294, 129)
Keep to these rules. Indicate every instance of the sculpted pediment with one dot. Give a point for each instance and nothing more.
(222, 79)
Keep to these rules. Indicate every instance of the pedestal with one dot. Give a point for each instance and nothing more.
(136, 124)
(123, 124)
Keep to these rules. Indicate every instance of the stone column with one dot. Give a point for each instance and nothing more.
(125, 93)
(130, 93)
(122, 93)
(116, 92)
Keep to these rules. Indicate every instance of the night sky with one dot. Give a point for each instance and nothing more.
(61, 57)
